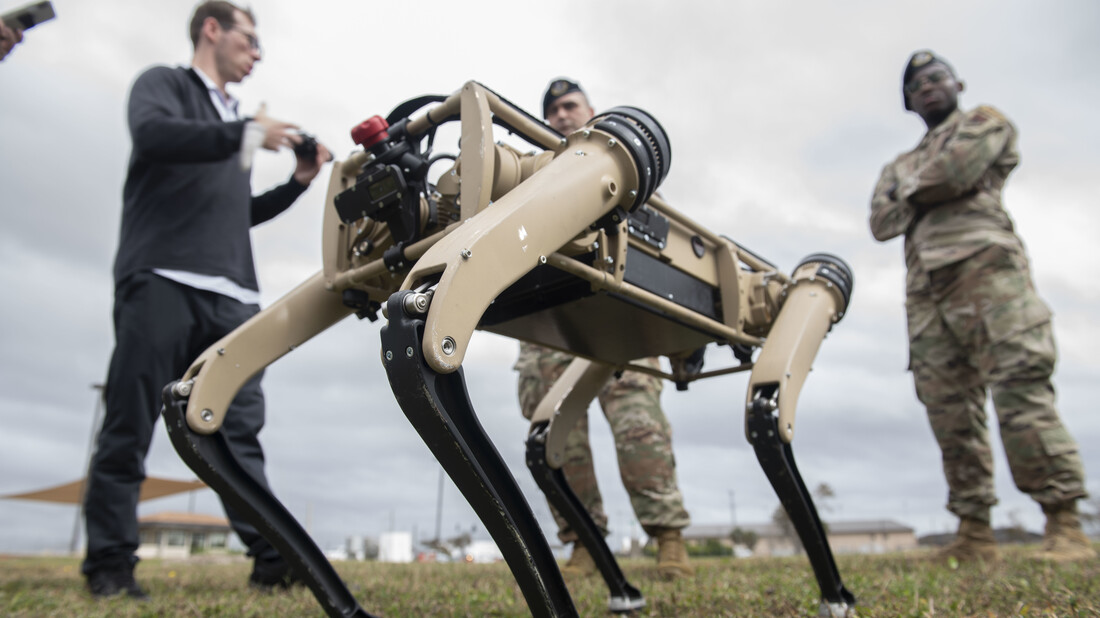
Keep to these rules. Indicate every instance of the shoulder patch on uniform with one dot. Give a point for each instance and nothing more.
(985, 114)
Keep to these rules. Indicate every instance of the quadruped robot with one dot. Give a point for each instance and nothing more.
(570, 248)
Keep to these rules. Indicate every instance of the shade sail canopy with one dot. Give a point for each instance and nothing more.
(73, 493)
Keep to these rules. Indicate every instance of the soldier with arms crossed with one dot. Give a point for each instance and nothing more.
(976, 324)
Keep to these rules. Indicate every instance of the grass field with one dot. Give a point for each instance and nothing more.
(892, 585)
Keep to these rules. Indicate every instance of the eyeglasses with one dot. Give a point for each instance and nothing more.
(252, 40)
(934, 77)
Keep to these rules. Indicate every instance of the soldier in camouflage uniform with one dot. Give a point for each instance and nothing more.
(631, 403)
(976, 324)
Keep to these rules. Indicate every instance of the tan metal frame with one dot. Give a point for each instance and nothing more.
(514, 213)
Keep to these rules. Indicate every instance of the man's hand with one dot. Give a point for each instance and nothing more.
(307, 169)
(9, 38)
(277, 134)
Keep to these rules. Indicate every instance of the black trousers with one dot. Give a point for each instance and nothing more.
(160, 327)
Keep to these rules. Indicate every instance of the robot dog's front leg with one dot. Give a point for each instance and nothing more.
(195, 408)
(438, 406)
(209, 456)
(216, 376)
(816, 297)
(554, 418)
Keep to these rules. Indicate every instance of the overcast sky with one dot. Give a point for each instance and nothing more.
(780, 116)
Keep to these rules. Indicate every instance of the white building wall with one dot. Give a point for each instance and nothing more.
(395, 547)
(484, 551)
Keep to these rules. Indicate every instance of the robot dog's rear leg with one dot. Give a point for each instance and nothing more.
(438, 406)
(777, 460)
(210, 458)
(554, 418)
(623, 596)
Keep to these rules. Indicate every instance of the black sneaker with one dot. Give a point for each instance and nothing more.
(115, 580)
(272, 575)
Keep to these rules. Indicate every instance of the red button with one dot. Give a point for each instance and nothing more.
(370, 131)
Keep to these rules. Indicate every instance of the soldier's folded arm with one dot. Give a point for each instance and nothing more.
(979, 142)
(890, 217)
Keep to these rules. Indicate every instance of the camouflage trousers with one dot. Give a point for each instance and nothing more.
(643, 442)
(978, 326)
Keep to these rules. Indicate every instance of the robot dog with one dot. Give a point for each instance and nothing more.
(569, 248)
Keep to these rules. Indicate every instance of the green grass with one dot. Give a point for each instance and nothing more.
(892, 585)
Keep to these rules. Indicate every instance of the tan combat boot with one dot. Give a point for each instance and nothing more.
(974, 542)
(580, 562)
(1063, 539)
(672, 557)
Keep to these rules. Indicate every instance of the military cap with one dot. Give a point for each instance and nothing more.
(557, 89)
(918, 61)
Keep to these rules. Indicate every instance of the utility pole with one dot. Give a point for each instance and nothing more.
(439, 510)
(733, 513)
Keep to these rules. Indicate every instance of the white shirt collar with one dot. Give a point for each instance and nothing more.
(226, 104)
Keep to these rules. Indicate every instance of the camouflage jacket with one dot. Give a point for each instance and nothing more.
(945, 194)
(531, 354)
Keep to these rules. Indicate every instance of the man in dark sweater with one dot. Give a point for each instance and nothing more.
(184, 277)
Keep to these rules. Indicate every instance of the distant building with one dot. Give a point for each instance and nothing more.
(483, 551)
(181, 535)
(1004, 536)
(631, 547)
(845, 537)
(395, 547)
(356, 547)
